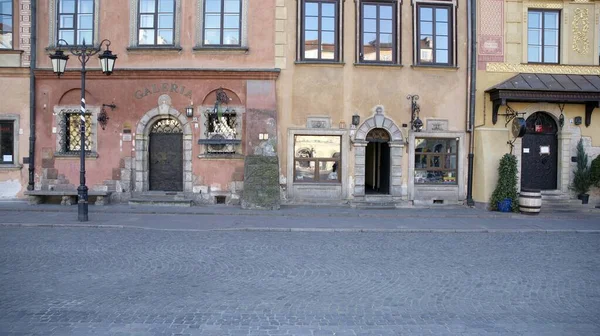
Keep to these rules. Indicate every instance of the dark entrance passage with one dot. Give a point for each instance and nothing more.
(377, 162)
(165, 156)
(539, 153)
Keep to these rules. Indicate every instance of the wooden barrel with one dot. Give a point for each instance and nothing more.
(530, 201)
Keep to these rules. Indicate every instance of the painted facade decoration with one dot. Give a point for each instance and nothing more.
(569, 79)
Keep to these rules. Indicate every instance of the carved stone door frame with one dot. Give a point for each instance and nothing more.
(396, 143)
(142, 137)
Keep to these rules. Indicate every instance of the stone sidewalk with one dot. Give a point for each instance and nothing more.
(299, 218)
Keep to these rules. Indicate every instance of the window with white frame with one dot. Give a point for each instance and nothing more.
(76, 21)
(73, 21)
(6, 24)
(543, 36)
(222, 22)
(156, 24)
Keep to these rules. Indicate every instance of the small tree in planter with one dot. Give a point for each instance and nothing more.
(595, 173)
(506, 188)
(582, 180)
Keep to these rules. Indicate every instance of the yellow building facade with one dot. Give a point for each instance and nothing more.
(372, 101)
(539, 61)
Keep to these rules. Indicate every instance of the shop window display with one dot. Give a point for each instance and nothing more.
(436, 161)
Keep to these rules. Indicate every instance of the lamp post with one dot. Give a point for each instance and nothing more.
(59, 63)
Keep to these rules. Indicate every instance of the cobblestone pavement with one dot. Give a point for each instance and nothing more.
(89, 281)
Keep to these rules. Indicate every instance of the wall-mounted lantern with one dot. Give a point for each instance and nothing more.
(103, 116)
(355, 120)
(189, 111)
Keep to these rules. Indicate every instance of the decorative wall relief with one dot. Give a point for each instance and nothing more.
(318, 122)
(581, 28)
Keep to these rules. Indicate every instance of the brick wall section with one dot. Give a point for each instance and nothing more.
(25, 31)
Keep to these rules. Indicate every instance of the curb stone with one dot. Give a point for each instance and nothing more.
(271, 229)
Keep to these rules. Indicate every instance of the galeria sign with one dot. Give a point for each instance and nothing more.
(163, 88)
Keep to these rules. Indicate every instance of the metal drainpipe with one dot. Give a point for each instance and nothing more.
(32, 65)
(473, 72)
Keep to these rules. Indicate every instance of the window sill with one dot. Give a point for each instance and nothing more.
(319, 183)
(75, 155)
(153, 49)
(10, 51)
(387, 65)
(221, 156)
(220, 50)
(433, 66)
(10, 166)
(321, 63)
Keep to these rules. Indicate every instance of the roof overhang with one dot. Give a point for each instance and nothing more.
(560, 89)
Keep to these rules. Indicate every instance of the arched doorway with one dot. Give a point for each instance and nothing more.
(165, 155)
(377, 162)
(539, 154)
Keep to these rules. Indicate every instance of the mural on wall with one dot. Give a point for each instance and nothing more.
(491, 32)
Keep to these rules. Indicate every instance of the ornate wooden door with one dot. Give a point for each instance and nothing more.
(539, 153)
(165, 156)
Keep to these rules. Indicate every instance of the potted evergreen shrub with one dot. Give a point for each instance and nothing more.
(595, 173)
(504, 197)
(582, 180)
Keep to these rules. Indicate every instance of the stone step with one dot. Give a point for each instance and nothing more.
(161, 201)
(374, 205)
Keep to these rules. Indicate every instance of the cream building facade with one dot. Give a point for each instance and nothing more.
(539, 61)
(372, 101)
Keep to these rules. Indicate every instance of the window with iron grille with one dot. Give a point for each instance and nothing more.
(76, 21)
(69, 132)
(221, 131)
(6, 24)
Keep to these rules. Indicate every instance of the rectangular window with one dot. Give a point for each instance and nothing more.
(156, 22)
(378, 32)
(543, 36)
(320, 30)
(222, 22)
(76, 21)
(434, 31)
(317, 158)
(7, 140)
(73, 132)
(436, 161)
(6, 24)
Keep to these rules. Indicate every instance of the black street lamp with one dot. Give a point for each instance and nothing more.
(59, 63)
